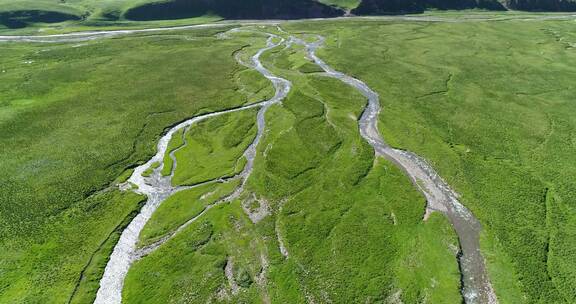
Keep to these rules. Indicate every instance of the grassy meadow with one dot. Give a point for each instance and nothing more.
(490, 105)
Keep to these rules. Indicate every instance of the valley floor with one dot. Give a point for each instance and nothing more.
(320, 217)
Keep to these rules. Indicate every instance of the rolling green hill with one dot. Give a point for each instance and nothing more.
(15, 14)
(19, 14)
(231, 9)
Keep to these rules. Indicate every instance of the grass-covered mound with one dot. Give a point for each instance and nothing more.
(214, 148)
(21, 14)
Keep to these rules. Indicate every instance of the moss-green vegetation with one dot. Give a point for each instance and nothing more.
(150, 170)
(66, 253)
(254, 86)
(425, 274)
(74, 118)
(183, 206)
(122, 178)
(89, 282)
(489, 104)
(214, 148)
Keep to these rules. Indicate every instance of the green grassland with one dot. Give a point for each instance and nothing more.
(75, 117)
(189, 269)
(255, 86)
(183, 206)
(214, 148)
(352, 224)
(490, 105)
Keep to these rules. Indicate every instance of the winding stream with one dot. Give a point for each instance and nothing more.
(439, 196)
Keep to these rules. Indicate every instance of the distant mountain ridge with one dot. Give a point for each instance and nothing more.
(295, 9)
(233, 9)
(20, 13)
(376, 7)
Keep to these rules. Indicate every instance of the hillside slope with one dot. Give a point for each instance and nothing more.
(376, 7)
(232, 9)
(21, 13)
